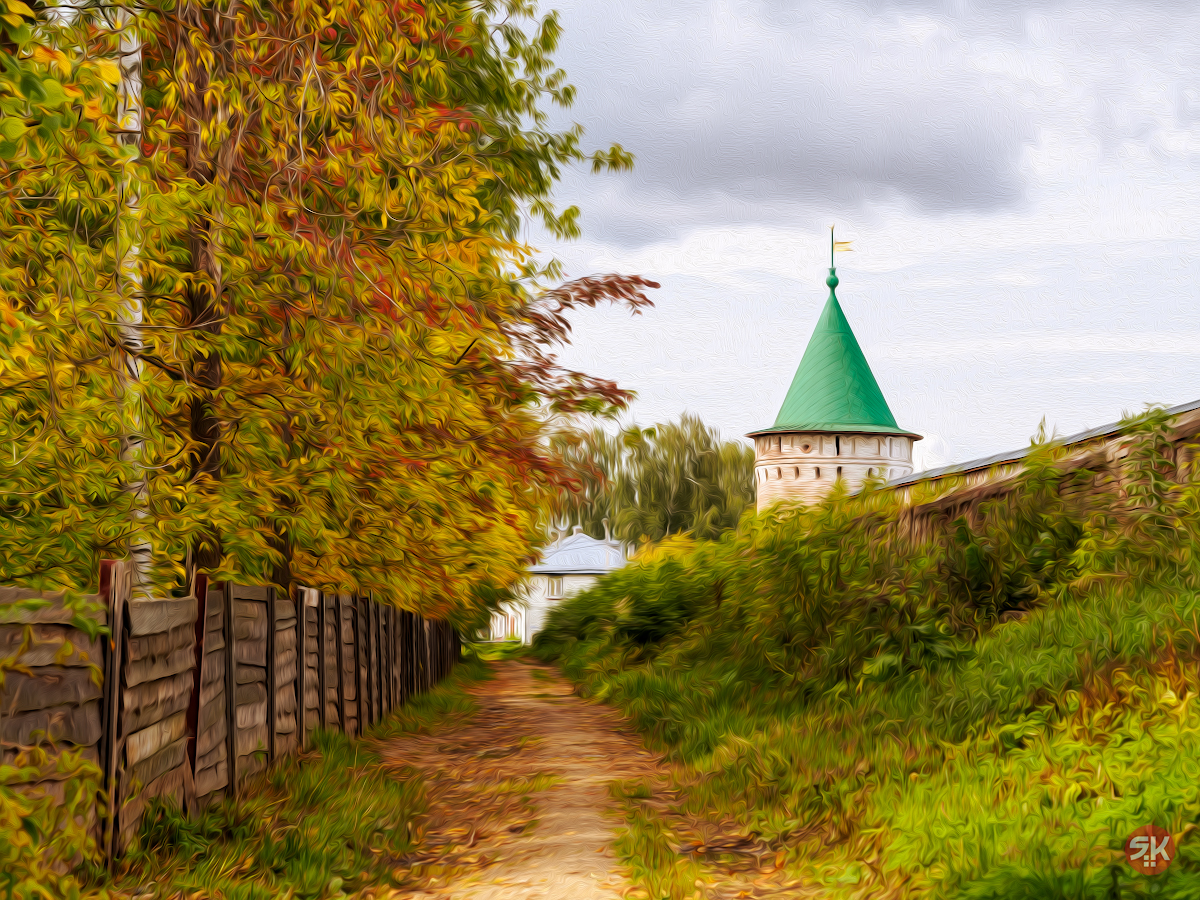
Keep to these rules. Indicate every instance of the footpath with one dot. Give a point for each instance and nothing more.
(519, 793)
(520, 806)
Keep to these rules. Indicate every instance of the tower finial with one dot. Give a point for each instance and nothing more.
(834, 246)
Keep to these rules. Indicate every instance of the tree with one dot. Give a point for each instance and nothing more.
(346, 352)
(62, 395)
(675, 478)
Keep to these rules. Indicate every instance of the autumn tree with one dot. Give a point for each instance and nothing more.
(345, 351)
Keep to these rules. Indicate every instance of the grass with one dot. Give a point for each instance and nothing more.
(541, 781)
(646, 844)
(495, 651)
(327, 822)
(985, 714)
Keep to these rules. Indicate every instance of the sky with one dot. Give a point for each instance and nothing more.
(1020, 180)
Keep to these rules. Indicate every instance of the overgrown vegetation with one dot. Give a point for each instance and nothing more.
(329, 821)
(985, 708)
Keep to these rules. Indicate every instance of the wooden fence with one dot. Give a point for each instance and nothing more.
(185, 698)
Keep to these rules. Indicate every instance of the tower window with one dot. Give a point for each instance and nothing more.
(796, 472)
(555, 591)
(837, 447)
(806, 447)
(839, 472)
(818, 476)
(778, 474)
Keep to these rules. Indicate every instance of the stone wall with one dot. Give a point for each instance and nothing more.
(804, 466)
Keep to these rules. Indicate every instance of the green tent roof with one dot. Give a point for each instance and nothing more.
(834, 389)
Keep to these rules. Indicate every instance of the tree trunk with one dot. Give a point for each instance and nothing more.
(213, 29)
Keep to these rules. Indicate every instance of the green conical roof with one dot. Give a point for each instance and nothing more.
(834, 389)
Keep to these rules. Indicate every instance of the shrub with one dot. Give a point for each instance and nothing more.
(985, 707)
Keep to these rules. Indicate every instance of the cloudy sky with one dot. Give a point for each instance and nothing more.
(1021, 181)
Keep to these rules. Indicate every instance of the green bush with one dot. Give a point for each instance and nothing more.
(983, 708)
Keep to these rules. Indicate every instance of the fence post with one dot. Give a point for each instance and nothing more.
(396, 658)
(340, 643)
(385, 660)
(355, 622)
(392, 655)
(272, 678)
(301, 666)
(113, 589)
(360, 657)
(322, 650)
(368, 696)
(376, 656)
(384, 700)
(230, 689)
(406, 654)
(425, 653)
(200, 589)
(376, 699)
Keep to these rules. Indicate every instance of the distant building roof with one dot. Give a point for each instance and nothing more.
(996, 459)
(580, 554)
(834, 388)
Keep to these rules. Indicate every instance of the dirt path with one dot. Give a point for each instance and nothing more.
(518, 794)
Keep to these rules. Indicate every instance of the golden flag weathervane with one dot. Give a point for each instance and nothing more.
(835, 246)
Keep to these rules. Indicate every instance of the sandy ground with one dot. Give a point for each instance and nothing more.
(519, 794)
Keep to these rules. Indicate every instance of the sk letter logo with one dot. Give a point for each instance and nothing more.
(1150, 849)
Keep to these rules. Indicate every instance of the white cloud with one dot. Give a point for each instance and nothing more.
(1021, 181)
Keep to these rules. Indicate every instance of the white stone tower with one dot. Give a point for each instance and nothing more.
(834, 423)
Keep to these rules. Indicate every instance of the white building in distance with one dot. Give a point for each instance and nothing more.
(570, 565)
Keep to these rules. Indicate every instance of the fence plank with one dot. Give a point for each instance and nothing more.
(272, 662)
(340, 643)
(389, 650)
(200, 590)
(356, 623)
(301, 662)
(377, 659)
(231, 759)
(364, 711)
(48, 644)
(393, 656)
(156, 616)
(322, 650)
(114, 588)
(154, 701)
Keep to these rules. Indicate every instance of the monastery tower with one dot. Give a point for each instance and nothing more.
(834, 424)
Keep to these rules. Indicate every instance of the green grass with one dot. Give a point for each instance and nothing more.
(862, 705)
(324, 823)
(495, 651)
(534, 784)
(646, 844)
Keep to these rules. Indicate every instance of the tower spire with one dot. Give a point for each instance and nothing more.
(835, 424)
(834, 246)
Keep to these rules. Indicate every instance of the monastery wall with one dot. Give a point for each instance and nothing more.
(1093, 459)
